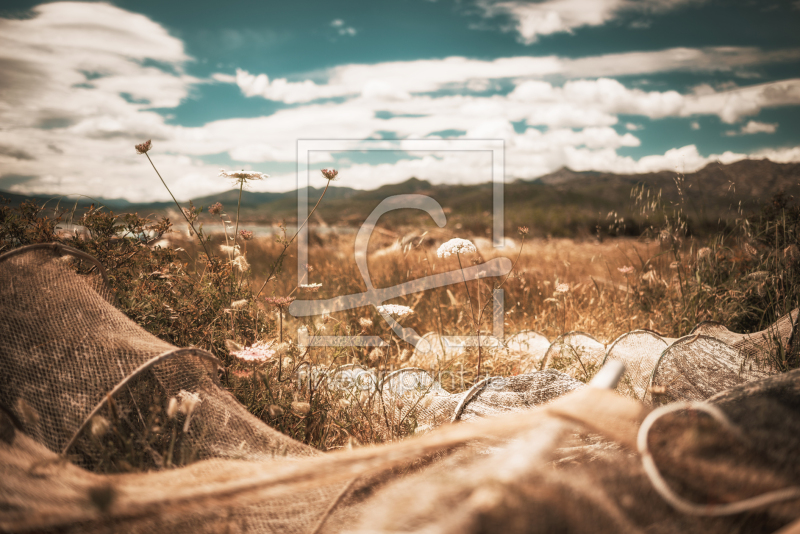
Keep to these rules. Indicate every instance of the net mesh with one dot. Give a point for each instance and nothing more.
(566, 459)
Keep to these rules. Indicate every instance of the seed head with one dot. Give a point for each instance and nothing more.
(703, 253)
(172, 408)
(375, 355)
(243, 176)
(280, 302)
(99, 426)
(215, 209)
(562, 288)
(330, 174)
(365, 322)
(259, 352)
(311, 288)
(523, 230)
(301, 408)
(144, 148)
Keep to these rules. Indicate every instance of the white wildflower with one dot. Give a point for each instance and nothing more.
(626, 269)
(189, 403)
(395, 310)
(259, 352)
(301, 408)
(172, 407)
(703, 253)
(243, 176)
(365, 322)
(562, 288)
(239, 304)
(456, 246)
(310, 287)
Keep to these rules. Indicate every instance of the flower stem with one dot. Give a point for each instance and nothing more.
(472, 313)
(180, 209)
(286, 245)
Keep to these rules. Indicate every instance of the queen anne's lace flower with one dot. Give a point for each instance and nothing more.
(243, 176)
(456, 246)
(310, 287)
(562, 288)
(395, 310)
(260, 352)
(625, 270)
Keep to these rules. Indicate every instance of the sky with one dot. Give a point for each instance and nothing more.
(621, 86)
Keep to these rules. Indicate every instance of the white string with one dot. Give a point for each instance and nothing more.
(681, 504)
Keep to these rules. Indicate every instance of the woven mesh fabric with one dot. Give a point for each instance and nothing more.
(564, 460)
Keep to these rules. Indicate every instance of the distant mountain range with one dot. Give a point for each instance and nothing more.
(564, 202)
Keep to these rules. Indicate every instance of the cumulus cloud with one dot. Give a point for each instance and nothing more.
(79, 92)
(755, 127)
(530, 20)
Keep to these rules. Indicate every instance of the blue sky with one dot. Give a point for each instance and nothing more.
(610, 85)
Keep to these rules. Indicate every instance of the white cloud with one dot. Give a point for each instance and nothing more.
(633, 127)
(533, 19)
(754, 127)
(67, 124)
(342, 29)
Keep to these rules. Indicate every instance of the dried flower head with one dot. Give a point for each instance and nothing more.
(172, 407)
(330, 174)
(703, 253)
(144, 148)
(280, 302)
(395, 310)
(750, 249)
(275, 411)
(456, 246)
(523, 230)
(243, 176)
(365, 322)
(375, 355)
(239, 304)
(562, 288)
(189, 403)
(627, 269)
(241, 264)
(99, 426)
(312, 288)
(228, 249)
(259, 352)
(309, 268)
(215, 209)
(247, 235)
(301, 408)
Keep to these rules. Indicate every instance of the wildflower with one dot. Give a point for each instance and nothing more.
(260, 352)
(144, 148)
(523, 230)
(562, 288)
(243, 176)
(375, 355)
(395, 310)
(456, 246)
(301, 408)
(241, 263)
(313, 288)
(703, 253)
(215, 209)
(280, 302)
(330, 174)
(628, 269)
(99, 426)
(172, 408)
(239, 304)
(309, 268)
(365, 322)
(230, 249)
(247, 235)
